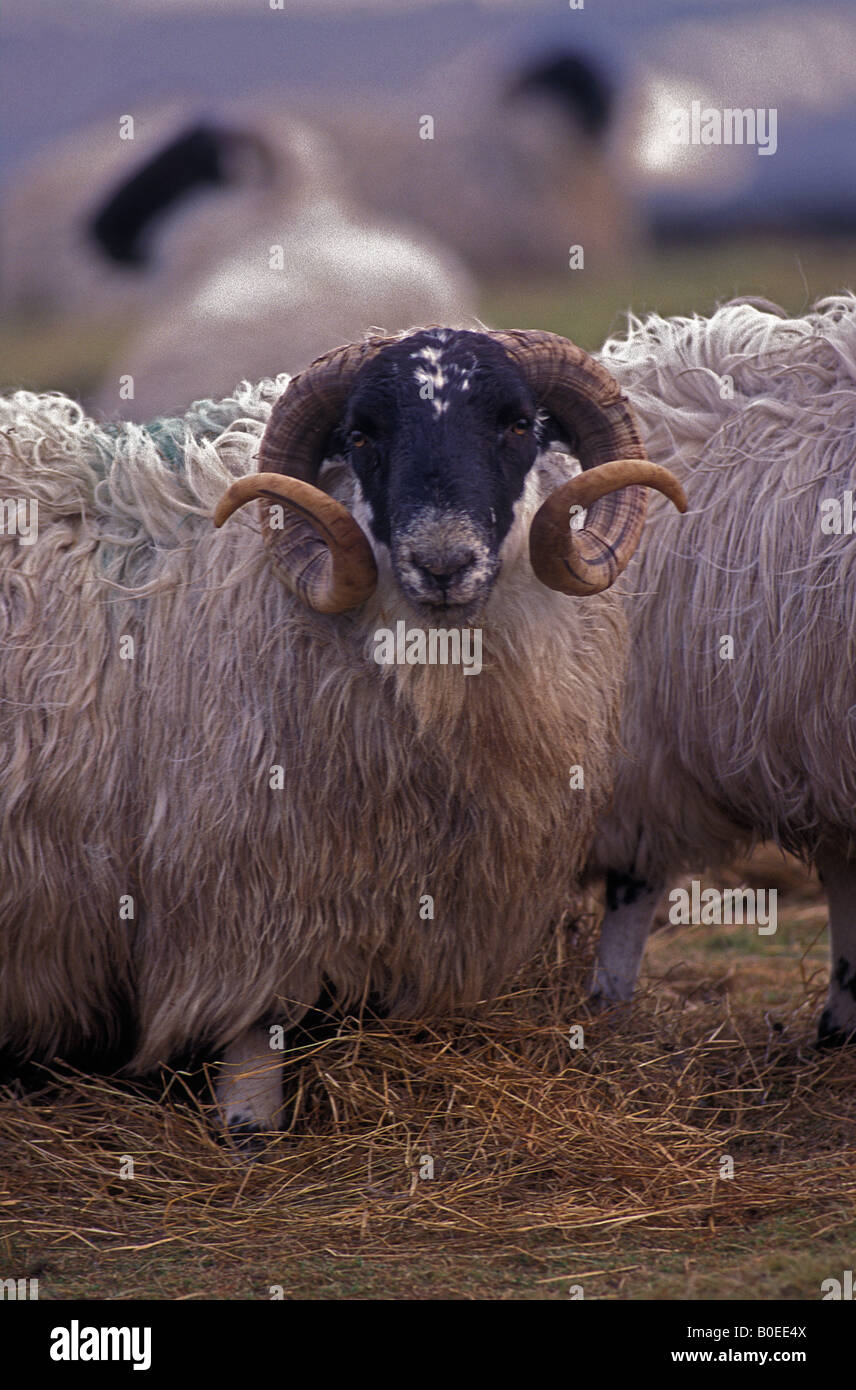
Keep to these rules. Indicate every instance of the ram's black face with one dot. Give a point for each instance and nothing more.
(441, 431)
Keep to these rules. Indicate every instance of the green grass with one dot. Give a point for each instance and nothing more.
(584, 305)
(775, 1258)
(46, 355)
(587, 307)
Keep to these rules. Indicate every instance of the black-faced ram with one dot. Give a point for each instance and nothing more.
(214, 799)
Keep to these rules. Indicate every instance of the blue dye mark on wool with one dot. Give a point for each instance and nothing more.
(204, 421)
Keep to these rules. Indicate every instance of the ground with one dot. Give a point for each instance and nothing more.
(586, 304)
(599, 1166)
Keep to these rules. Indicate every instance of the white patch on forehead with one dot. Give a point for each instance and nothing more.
(439, 374)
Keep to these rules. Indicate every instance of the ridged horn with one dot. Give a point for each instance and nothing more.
(590, 406)
(315, 545)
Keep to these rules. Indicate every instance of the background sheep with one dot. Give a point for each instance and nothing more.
(523, 157)
(61, 253)
(758, 414)
(313, 276)
(153, 780)
(231, 243)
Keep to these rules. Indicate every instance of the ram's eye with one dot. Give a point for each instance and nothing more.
(521, 426)
(357, 439)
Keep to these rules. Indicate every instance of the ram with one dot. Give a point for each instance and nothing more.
(214, 800)
(740, 718)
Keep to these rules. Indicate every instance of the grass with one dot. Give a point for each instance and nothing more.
(59, 355)
(598, 1166)
(45, 354)
(588, 307)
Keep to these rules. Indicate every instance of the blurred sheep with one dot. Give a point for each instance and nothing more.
(229, 247)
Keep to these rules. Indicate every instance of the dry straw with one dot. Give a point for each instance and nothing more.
(526, 1134)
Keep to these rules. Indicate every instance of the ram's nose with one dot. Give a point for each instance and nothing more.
(447, 565)
(444, 569)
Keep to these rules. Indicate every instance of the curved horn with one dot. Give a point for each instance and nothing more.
(316, 546)
(590, 405)
(589, 563)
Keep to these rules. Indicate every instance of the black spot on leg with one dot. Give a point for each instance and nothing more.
(842, 970)
(244, 1136)
(623, 889)
(830, 1033)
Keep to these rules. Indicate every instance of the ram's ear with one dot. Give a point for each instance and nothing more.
(337, 445)
(550, 434)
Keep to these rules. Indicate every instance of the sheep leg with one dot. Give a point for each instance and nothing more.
(249, 1088)
(631, 904)
(838, 1021)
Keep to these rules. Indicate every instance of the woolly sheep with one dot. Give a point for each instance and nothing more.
(63, 255)
(507, 160)
(197, 836)
(757, 414)
(293, 287)
(226, 248)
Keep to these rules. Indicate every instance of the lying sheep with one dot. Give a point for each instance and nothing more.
(508, 157)
(732, 742)
(100, 225)
(294, 285)
(213, 797)
(227, 248)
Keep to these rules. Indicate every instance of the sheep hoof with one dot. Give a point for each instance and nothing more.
(830, 1034)
(597, 1004)
(244, 1136)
